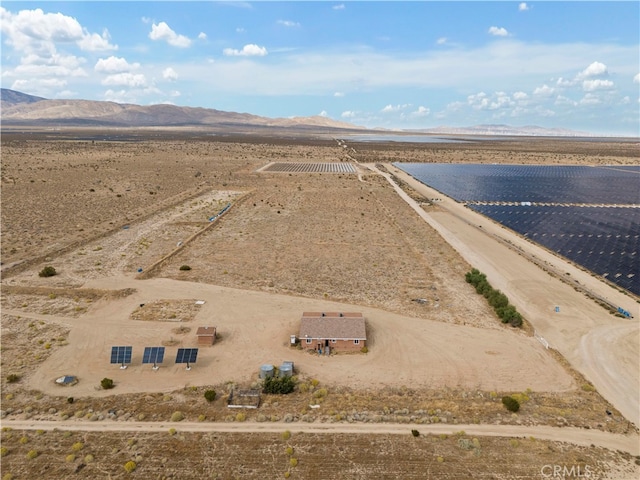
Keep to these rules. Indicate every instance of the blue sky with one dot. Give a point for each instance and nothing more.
(404, 65)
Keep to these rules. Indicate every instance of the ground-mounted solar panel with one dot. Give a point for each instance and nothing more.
(121, 355)
(187, 355)
(153, 355)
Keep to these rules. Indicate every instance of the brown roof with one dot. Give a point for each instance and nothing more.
(333, 325)
(206, 331)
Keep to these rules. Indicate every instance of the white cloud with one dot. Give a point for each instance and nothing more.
(589, 100)
(202, 36)
(250, 50)
(169, 74)
(162, 31)
(348, 114)
(596, 69)
(395, 108)
(114, 65)
(96, 43)
(520, 96)
(146, 20)
(498, 31)
(421, 112)
(126, 79)
(240, 30)
(441, 41)
(544, 91)
(288, 23)
(323, 113)
(561, 100)
(636, 78)
(36, 32)
(523, 7)
(596, 84)
(338, 7)
(338, 94)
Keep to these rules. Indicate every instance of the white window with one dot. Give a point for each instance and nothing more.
(308, 340)
(334, 341)
(356, 342)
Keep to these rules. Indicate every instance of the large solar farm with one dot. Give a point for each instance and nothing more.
(589, 215)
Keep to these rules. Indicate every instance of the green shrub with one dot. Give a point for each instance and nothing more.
(130, 466)
(210, 395)
(76, 447)
(12, 378)
(47, 271)
(278, 385)
(293, 462)
(70, 458)
(498, 300)
(106, 383)
(177, 416)
(415, 433)
(185, 267)
(286, 435)
(88, 458)
(364, 350)
(31, 454)
(511, 404)
(3, 451)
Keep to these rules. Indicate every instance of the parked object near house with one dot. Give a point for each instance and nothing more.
(206, 335)
(333, 331)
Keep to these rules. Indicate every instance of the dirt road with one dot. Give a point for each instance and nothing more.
(576, 436)
(604, 348)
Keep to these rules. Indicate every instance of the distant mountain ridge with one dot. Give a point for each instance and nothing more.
(22, 109)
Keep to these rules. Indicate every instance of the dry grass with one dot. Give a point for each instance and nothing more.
(339, 237)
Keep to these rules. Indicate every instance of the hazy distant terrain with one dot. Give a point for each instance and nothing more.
(21, 109)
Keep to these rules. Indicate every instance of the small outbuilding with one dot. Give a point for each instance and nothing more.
(333, 331)
(206, 335)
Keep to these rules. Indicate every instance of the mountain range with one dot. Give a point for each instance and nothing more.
(21, 109)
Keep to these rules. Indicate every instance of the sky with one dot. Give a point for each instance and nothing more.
(396, 65)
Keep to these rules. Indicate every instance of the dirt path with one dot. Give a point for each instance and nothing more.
(601, 346)
(576, 436)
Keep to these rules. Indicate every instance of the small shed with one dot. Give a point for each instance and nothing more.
(206, 335)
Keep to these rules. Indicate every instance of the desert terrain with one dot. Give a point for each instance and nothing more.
(118, 218)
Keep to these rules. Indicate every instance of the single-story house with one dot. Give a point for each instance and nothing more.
(341, 332)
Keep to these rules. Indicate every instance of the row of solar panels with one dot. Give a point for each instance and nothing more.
(153, 355)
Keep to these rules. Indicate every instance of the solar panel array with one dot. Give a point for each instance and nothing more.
(603, 240)
(590, 215)
(530, 183)
(311, 168)
(121, 355)
(186, 355)
(153, 355)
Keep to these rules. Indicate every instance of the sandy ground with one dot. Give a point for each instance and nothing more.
(255, 329)
(605, 348)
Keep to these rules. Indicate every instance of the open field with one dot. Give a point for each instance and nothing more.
(118, 219)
